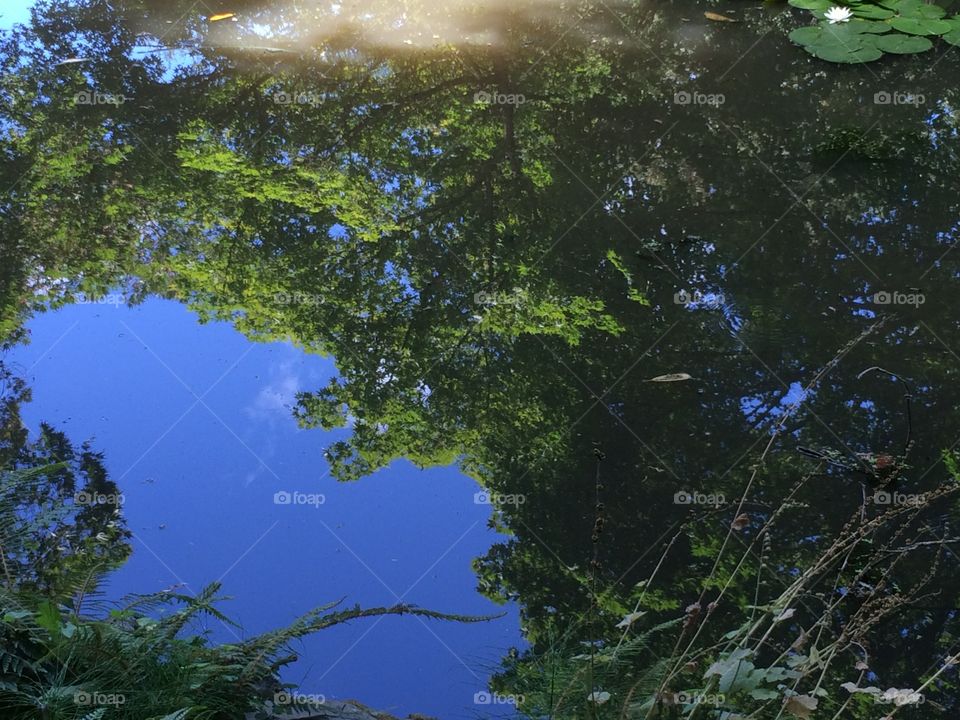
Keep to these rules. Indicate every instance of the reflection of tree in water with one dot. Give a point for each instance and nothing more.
(497, 282)
(60, 515)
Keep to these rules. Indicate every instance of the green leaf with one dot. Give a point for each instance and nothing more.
(806, 35)
(869, 26)
(811, 4)
(921, 26)
(840, 54)
(931, 12)
(48, 617)
(872, 12)
(903, 44)
(176, 715)
(953, 37)
(904, 7)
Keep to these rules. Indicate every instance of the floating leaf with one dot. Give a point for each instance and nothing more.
(953, 37)
(869, 26)
(806, 35)
(933, 12)
(671, 377)
(740, 522)
(872, 12)
(921, 26)
(903, 44)
(811, 4)
(841, 54)
(717, 17)
(220, 16)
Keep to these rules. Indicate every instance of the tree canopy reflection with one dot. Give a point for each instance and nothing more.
(504, 244)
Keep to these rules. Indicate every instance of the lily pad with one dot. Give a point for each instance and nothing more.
(903, 44)
(904, 7)
(842, 36)
(921, 26)
(806, 35)
(847, 33)
(869, 26)
(932, 12)
(953, 37)
(872, 12)
(811, 4)
(841, 54)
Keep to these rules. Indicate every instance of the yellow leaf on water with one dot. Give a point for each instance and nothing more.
(717, 17)
(220, 16)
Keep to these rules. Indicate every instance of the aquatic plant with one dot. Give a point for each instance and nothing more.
(135, 659)
(742, 649)
(858, 32)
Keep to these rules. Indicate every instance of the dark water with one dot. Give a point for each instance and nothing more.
(506, 225)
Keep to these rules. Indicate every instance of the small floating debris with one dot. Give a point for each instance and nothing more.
(670, 377)
(717, 17)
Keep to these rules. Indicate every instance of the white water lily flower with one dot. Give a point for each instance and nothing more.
(598, 697)
(838, 14)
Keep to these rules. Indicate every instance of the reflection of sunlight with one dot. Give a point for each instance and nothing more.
(392, 24)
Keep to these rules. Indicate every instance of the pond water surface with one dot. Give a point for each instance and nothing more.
(628, 269)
